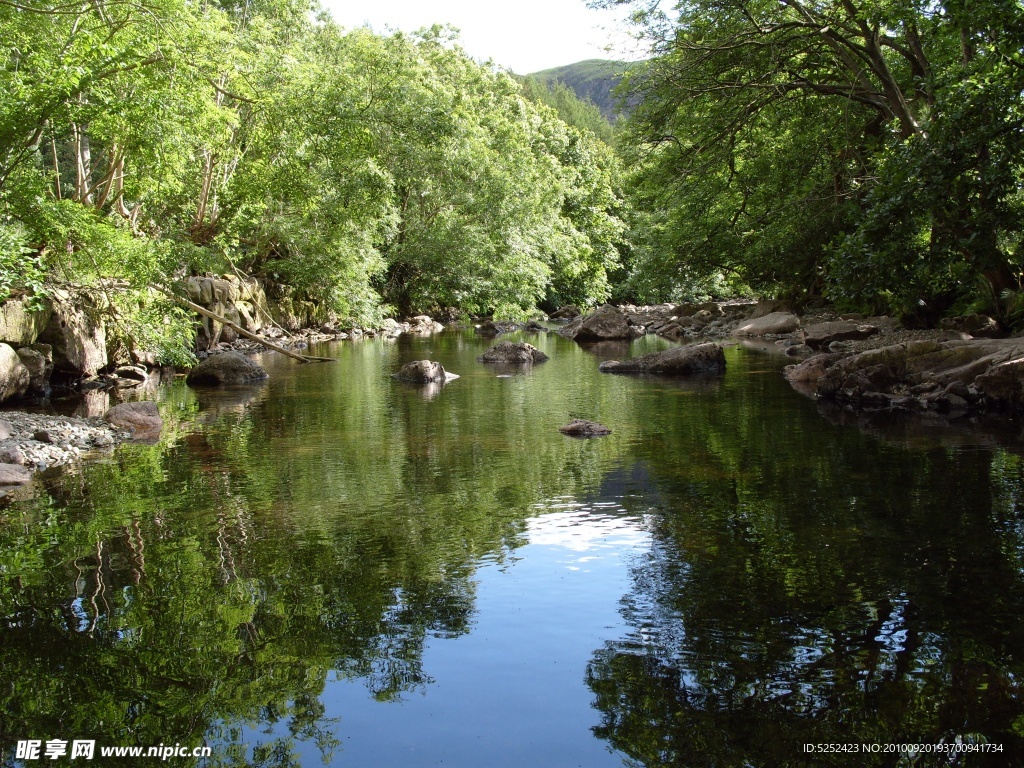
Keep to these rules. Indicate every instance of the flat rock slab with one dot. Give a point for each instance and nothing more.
(584, 428)
(774, 322)
(141, 416)
(226, 368)
(14, 474)
(820, 335)
(678, 361)
(978, 372)
(516, 353)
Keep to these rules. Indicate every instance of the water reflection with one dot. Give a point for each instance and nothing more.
(929, 429)
(329, 559)
(853, 608)
(215, 402)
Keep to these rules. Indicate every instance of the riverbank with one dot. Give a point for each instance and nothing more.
(32, 442)
(816, 341)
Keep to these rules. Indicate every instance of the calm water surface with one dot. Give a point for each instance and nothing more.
(335, 568)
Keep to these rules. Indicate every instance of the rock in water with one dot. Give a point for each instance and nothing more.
(424, 372)
(226, 368)
(584, 428)
(678, 361)
(513, 353)
(604, 323)
(142, 416)
(568, 312)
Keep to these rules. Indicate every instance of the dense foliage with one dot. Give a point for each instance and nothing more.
(145, 141)
(871, 153)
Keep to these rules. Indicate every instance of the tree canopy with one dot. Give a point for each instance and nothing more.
(373, 173)
(869, 152)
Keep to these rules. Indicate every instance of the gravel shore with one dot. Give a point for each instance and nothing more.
(37, 441)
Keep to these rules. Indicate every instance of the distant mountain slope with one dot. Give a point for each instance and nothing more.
(593, 79)
(577, 112)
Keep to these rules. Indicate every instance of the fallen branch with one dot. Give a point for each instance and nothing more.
(238, 329)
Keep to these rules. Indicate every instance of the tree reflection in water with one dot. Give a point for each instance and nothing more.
(765, 621)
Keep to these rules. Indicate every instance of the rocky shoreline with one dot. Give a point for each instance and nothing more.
(35, 442)
(858, 362)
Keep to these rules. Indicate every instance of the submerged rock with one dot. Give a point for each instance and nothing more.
(139, 416)
(14, 474)
(509, 352)
(678, 361)
(584, 428)
(226, 368)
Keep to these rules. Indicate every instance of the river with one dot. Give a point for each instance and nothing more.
(336, 568)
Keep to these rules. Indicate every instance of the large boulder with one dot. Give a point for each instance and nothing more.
(77, 334)
(772, 323)
(424, 324)
(424, 372)
(820, 335)
(38, 359)
(766, 307)
(19, 323)
(207, 291)
(603, 324)
(14, 376)
(138, 417)
(514, 353)
(226, 368)
(678, 361)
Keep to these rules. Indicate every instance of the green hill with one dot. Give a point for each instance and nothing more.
(593, 80)
(576, 111)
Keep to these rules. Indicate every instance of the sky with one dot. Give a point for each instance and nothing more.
(525, 36)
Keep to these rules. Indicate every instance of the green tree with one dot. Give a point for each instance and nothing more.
(768, 132)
